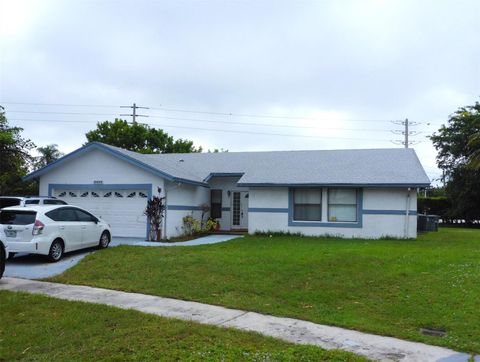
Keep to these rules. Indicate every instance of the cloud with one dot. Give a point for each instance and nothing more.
(334, 61)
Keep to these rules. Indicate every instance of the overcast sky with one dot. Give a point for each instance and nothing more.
(323, 74)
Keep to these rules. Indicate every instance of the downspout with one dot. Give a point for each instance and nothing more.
(407, 214)
(166, 213)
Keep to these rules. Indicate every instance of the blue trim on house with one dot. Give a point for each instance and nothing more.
(190, 208)
(223, 174)
(357, 224)
(184, 207)
(268, 209)
(389, 212)
(356, 185)
(102, 147)
(147, 187)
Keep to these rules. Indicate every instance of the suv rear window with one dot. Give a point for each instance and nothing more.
(6, 202)
(14, 217)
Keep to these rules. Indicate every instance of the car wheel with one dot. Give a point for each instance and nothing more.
(104, 240)
(2, 260)
(56, 251)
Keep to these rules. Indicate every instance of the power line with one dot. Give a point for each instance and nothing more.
(61, 104)
(204, 120)
(270, 134)
(246, 123)
(215, 130)
(230, 114)
(167, 117)
(268, 124)
(67, 113)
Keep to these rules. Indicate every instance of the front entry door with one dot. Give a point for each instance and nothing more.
(239, 210)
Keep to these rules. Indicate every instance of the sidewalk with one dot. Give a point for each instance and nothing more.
(291, 330)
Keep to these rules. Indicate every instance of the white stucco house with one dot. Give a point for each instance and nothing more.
(351, 193)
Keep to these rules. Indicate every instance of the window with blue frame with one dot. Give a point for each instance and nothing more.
(342, 205)
(307, 204)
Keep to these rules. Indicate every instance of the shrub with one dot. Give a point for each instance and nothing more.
(191, 225)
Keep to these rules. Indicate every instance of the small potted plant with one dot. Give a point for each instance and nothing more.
(212, 225)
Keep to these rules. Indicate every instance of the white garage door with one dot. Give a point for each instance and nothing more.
(122, 209)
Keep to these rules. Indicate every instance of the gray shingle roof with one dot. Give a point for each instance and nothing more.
(392, 166)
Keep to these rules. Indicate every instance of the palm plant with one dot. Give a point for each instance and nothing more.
(48, 154)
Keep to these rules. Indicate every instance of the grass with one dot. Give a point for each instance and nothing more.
(387, 287)
(39, 328)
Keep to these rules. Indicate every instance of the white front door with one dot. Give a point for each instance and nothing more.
(239, 210)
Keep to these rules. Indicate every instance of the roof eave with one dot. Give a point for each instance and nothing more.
(380, 185)
(99, 146)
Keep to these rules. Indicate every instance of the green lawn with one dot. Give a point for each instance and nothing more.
(388, 287)
(39, 328)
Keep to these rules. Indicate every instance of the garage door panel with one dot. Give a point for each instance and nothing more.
(122, 209)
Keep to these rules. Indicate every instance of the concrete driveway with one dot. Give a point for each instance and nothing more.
(31, 266)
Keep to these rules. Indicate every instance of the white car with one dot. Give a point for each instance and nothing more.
(51, 230)
(6, 201)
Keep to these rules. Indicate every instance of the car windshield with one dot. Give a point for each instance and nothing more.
(9, 201)
(14, 217)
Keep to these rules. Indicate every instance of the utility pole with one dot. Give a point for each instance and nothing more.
(134, 114)
(406, 133)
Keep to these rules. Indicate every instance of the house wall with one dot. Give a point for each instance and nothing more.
(183, 200)
(381, 213)
(97, 165)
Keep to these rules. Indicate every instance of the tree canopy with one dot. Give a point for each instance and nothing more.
(15, 159)
(474, 144)
(456, 150)
(139, 138)
(453, 140)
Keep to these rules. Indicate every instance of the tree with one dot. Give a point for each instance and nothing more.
(456, 150)
(139, 138)
(15, 159)
(474, 144)
(48, 154)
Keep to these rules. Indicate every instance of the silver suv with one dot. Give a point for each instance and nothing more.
(6, 201)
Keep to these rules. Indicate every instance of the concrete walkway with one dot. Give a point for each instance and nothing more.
(204, 240)
(291, 330)
(36, 267)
